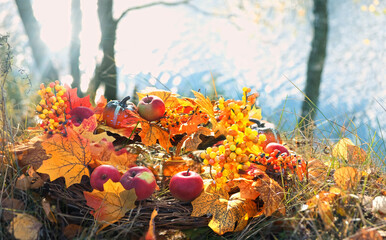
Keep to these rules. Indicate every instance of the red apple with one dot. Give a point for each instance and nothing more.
(141, 179)
(272, 146)
(186, 185)
(151, 108)
(102, 174)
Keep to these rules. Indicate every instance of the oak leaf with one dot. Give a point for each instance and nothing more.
(111, 204)
(347, 177)
(74, 101)
(25, 227)
(229, 214)
(70, 157)
(150, 133)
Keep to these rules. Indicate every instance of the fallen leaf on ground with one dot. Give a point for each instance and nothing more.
(321, 204)
(47, 209)
(229, 214)
(340, 148)
(10, 206)
(150, 235)
(366, 234)
(70, 157)
(356, 155)
(111, 204)
(72, 230)
(347, 177)
(25, 227)
(30, 181)
(316, 172)
(30, 153)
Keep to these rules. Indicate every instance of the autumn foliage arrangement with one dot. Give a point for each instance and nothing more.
(239, 166)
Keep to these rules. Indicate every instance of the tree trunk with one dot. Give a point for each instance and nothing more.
(39, 49)
(106, 72)
(315, 62)
(76, 22)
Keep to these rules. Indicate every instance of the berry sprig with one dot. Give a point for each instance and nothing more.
(52, 108)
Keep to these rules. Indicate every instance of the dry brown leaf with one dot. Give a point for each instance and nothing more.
(194, 140)
(229, 214)
(316, 171)
(47, 209)
(271, 193)
(32, 181)
(9, 207)
(30, 153)
(72, 230)
(347, 177)
(366, 234)
(25, 227)
(356, 155)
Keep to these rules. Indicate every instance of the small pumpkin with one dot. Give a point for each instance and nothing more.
(268, 129)
(116, 111)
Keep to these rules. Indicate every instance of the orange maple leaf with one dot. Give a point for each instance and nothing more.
(150, 133)
(267, 189)
(70, 157)
(122, 160)
(229, 214)
(73, 100)
(111, 204)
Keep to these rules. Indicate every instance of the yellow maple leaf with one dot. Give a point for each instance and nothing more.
(70, 157)
(150, 133)
(229, 214)
(206, 105)
(111, 204)
(170, 99)
(347, 177)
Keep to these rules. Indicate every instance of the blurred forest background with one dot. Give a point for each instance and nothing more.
(332, 51)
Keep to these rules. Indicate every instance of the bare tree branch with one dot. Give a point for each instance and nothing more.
(150, 5)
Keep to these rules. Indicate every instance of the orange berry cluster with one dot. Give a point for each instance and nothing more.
(174, 117)
(52, 107)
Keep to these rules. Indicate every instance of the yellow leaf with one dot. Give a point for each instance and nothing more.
(70, 157)
(255, 113)
(170, 99)
(229, 215)
(206, 105)
(111, 204)
(25, 227)
(347, 177)
(340, 148)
